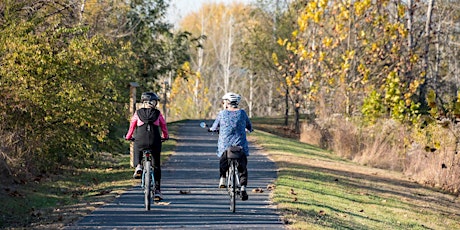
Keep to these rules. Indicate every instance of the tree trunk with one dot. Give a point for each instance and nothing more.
(286, 113)
(424, 85)
(297, 119)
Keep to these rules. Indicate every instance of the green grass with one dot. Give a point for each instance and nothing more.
(316, 189)
(328, 192)
(73, 193)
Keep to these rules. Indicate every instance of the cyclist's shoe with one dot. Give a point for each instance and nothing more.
(137, 172)
(222, 182)
(244, 194)
(158, 196)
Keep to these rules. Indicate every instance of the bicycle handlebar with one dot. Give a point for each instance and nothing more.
(133, 139)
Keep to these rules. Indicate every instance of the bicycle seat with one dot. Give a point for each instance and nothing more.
(234, 152)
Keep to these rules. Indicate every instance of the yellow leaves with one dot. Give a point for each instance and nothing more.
(413, 86)
(327, 41)
(344, 13)
(317, 16)
(275, 58)
(395, 48)
(312, 6)
(349, 55)
(302, 21)
(294, 80)
(401, 10)
(323, 3)
(314, 11)
(282, 42)
(288, 81)
(361, 6)
(362, 69)
(304, 54)
(374, 47)
(297, 78)
(322, 56)
(402, 30)
(295, 33)
(414, 58)
(331, 81)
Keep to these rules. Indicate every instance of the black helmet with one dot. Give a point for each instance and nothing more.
(149, 96)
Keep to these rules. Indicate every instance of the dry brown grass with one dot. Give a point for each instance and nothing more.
(429, 155)
(433, 158)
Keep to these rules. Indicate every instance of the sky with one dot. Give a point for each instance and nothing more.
(178, 9)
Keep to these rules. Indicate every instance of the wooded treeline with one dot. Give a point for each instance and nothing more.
(378, 80)
(375, 59)
(65, 67)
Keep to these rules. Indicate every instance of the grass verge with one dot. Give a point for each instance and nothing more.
(57, 200)
(316, 189)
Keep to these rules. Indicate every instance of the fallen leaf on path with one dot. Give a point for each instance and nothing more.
(271, 187)
(163, 203)
(103, 192)
(258, 190)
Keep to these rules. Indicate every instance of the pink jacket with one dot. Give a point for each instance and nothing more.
(135, 121)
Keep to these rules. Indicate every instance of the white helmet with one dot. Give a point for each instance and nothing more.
(233, 98)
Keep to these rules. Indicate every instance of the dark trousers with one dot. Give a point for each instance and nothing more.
(242, 168)
(156, 163)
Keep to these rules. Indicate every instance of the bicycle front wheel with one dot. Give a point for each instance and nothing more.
(147, 185)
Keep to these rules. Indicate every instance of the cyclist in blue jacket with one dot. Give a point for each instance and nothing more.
(232, 124)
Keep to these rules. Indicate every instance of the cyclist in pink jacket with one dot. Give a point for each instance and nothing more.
(145, 124)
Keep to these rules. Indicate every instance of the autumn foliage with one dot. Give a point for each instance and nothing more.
(372, 64)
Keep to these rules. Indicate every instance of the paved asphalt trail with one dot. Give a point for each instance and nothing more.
(193, 169)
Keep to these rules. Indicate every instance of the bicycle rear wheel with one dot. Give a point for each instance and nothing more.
(147, 185)
(232, 186)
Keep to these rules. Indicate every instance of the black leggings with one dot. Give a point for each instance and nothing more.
(156, 163)
(242, 168)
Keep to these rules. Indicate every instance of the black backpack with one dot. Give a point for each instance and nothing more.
(148, 134)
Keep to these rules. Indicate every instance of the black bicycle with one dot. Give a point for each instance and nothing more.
(148, 180)
(234, 153)
(233, 180)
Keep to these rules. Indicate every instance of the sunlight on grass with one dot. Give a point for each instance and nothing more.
(316, 189)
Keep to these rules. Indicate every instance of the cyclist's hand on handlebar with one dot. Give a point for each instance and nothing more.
(130, 139)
